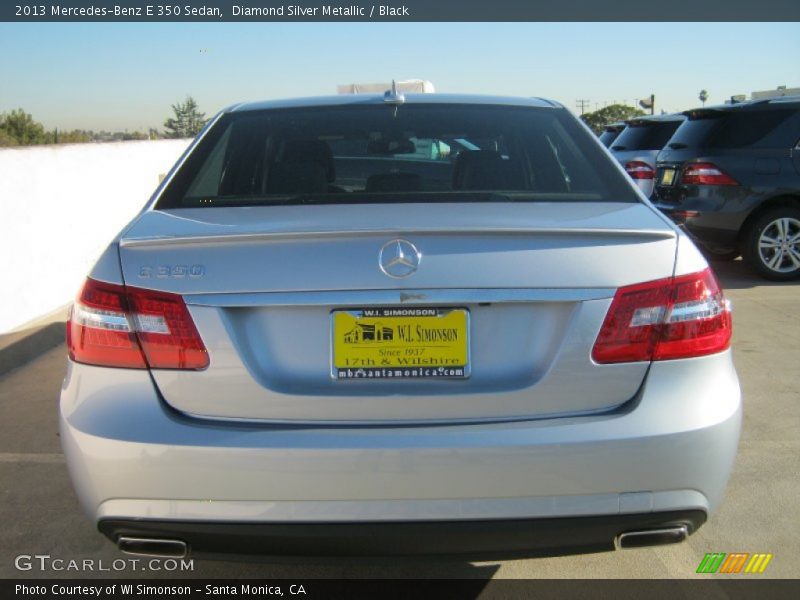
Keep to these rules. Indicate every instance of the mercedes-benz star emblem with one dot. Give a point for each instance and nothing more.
(399, 258)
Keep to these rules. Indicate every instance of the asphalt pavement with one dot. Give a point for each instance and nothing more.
(40, 515)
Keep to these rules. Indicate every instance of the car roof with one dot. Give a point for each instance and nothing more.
(377, 99)
(791, 101)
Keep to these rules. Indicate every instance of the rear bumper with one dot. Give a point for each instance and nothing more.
(477, 540)
(134, 461)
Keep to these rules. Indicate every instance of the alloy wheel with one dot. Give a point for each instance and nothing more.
(779, 245)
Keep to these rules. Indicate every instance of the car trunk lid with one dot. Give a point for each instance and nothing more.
(263, 285)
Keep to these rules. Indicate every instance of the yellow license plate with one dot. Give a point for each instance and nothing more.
(667, 176)
(410, 343)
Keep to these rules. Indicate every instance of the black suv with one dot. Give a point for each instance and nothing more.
(730, 175)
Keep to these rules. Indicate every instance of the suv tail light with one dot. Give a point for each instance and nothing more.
(705, 173)
(120, 326)
(677, 317)
(640, 170)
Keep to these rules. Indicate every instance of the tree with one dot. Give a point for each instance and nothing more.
(610, 114)
(20, 127)
(5, 137)
(76, 136)
(188, 120)
(703, 96)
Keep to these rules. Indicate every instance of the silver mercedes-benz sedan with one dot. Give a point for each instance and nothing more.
(428, 324)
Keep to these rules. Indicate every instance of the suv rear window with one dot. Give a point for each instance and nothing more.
(609, 135)
(645, 135)
(727, 128)
(383, 153)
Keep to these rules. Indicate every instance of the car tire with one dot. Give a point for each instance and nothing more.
(720, 253)
(772, 244)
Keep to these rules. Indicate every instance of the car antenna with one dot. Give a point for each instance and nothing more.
(394, 97)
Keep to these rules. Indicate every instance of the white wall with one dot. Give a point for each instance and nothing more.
(60, 206)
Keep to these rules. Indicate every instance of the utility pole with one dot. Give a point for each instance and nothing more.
(582, 104)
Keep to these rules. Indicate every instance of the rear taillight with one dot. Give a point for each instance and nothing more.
(120, 326)
(677, 317)
(705, 173)
(99, 331)
(640, 170)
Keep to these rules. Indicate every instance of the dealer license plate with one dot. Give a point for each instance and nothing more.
(410, 343)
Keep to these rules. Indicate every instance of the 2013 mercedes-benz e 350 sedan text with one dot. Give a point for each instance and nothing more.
(428, 324)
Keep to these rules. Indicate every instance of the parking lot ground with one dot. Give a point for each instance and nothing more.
(761, 512)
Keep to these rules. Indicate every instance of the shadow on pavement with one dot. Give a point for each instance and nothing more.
(22, 346)
(736, 275)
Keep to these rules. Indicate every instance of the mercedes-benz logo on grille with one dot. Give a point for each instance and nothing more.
(399, 258)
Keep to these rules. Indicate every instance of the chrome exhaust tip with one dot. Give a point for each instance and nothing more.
(651, 537)
(154, 548)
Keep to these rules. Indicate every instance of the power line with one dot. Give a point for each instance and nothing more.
(582, 104)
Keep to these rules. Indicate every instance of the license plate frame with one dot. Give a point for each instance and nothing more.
(449, 359)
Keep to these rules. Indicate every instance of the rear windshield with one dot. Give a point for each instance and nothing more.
(608, 136)
(382, 153)
(652, 135)
(727, 129)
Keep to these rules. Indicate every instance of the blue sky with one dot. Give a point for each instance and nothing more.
(118, 76)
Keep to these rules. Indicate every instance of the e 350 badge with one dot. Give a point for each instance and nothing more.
(174, 271)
